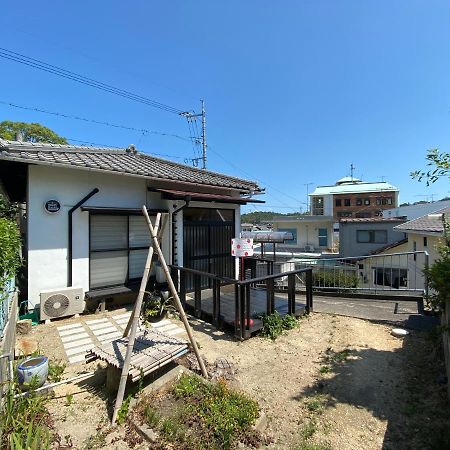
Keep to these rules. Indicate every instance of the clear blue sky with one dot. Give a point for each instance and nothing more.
(295, 91)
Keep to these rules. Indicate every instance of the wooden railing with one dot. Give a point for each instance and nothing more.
(242, 294)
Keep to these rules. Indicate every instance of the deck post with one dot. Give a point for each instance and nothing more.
(270, 296)
(247, 310)
(237, 311)
(309, 291)
(291, 294)
(242, 311)
(197, 296)
(182, 278)
(216, 302)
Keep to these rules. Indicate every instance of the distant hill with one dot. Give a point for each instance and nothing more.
(258, 217)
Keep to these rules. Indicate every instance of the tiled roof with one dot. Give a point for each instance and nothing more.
(432, 223)
(372, 219)
(123, 161)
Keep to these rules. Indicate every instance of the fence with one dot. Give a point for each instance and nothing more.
(394, 274)
(8, 320)
(247, 303)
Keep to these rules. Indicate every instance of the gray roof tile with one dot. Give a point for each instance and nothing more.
(120, 161)
(430, 223)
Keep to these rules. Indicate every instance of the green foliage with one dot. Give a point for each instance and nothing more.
(155, 305)
(440, 163)
(324, 369)
(339, 279)
(10, 246)
(438, 276)
(31, 132)
(122, 414)
(55, 371)
(8, 210)
(211, 417)
(24, 421)
(274, 325)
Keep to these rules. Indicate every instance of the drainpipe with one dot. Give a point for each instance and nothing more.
(187, 200)
(70, 244)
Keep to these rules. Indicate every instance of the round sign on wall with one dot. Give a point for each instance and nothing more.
(52, 206)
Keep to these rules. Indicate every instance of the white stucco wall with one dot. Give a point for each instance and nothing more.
(47, 238)
(307, 233)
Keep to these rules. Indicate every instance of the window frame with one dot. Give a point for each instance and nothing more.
(372, 237)
(127, 249)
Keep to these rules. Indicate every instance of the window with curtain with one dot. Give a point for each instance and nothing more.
(323, 237)
(118, 249)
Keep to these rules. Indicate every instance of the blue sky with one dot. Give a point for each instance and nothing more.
(295, 91)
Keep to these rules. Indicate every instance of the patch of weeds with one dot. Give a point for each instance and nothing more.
(325, 369)
(97, 440)
(308, 430)
(151, 416)
(274, 325)
(69, 399)
(343, 355)
(123, 411)
(25, 421)
(317, 403)
(55, 371)
(211, 417)
(311, 446)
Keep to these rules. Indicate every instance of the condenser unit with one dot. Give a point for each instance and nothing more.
(61, 303)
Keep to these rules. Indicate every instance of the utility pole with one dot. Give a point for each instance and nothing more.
(307, 197)
(192, 116)
(352, 169)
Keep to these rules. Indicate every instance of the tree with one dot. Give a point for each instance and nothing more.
(441, 164)
(31, 132)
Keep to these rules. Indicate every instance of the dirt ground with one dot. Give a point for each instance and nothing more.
(336, 382)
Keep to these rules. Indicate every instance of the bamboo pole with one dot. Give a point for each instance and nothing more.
(134, 323)
(149, 264)
(174, 292)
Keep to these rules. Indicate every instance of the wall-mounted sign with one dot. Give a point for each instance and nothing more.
(241, 247)
(52, 206)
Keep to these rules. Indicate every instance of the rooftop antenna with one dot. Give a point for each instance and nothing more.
(190, 116)
(307, 197)
(352, 169)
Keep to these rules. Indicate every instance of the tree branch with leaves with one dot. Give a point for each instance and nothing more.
(440, 167)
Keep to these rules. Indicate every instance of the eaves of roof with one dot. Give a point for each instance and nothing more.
(119, 161)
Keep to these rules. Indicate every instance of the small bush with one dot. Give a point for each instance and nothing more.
(339, 279)
(274, 325)
(55, 371)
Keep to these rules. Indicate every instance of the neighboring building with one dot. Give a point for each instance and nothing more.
(426, 233)
(351, 197)
(84, 221)
(414, 211)
(310, 233)
(359, 237)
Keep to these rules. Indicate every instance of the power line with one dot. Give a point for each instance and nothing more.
(98, 122)
(55, 70)
(96, 144)
(251, 176)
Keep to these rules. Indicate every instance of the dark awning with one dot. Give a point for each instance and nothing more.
(129, 211)
(170, 194)
(267, 236)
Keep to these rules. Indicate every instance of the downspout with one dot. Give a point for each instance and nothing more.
(187, 200)
(70, 244)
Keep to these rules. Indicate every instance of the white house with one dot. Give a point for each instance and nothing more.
(84, 224)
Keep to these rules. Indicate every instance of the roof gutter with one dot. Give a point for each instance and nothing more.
(70, 243)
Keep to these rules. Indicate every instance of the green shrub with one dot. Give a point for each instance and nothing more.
(338, 279)
(10, 246)
(274, 325)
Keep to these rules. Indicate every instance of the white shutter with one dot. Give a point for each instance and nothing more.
(108, 232)
(137, 263)
(108, 268)
(139, 232)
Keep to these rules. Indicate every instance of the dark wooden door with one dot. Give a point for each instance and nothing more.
(207, 235)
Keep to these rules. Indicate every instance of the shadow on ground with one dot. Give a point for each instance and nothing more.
(405, 388)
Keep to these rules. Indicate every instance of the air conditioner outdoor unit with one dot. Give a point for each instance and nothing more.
(61, 303)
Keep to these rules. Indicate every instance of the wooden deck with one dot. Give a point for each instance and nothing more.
(258, 305)
(152, 350)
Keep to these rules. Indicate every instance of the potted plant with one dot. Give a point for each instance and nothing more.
(156, 306)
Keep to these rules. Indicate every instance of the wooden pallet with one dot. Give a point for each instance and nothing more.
(152, 349)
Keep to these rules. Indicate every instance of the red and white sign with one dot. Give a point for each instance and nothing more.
(241, 247)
